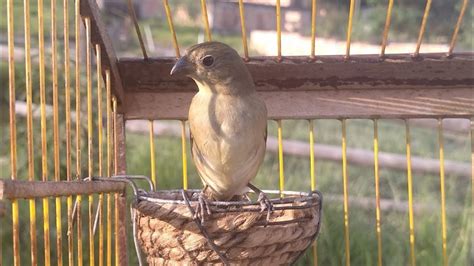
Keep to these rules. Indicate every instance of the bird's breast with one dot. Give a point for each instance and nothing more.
(227, 128)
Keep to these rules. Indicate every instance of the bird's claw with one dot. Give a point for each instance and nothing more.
(265, 204)
(202, 208)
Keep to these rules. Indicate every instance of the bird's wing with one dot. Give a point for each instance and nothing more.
(191, 141)
(265, 136)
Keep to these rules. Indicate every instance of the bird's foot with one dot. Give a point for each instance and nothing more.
(265, 204)
(202, 208)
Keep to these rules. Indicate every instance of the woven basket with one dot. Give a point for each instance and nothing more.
(235, 232)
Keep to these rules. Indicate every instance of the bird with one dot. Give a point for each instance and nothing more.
(227, 121)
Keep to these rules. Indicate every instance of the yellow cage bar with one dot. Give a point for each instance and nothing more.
(411, 218)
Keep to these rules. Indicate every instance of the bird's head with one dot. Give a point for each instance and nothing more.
(215, 66)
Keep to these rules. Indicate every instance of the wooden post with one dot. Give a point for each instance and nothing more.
(121, 199)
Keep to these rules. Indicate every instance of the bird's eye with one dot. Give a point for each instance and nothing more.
(208, 60)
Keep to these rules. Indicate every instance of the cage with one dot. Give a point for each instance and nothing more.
(72, 100)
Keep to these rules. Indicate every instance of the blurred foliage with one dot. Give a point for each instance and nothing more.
(370, 16)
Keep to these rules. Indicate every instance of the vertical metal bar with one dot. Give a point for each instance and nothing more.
(133, 15)
(456, 29)
(244, 31)
(313, 28)
(114, 112)
(44, 148)
(346, 194)
(386, 28)
(205, 20)
(378, 227)
(116, 196)
(100, 150)
(349, 29)
(170, 24)
(472, 187)
(280, 158)
(29, 129)
(278, 28)
(67, 92)
(311, 155)
(13, 159)
(90, 152)
(410, 195)
(77, 18)
(57, 170)
(422, 28)
(183, 154)
(109, 165)
(152, 154)
(313, 178)
(442, 190)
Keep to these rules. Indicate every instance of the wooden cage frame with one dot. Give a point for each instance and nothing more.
(400, 86)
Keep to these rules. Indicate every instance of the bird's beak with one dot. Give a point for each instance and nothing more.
(182, 66)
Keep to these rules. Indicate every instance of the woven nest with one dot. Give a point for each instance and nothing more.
(235, 232)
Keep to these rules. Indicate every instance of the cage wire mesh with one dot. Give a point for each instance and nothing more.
(387, 137)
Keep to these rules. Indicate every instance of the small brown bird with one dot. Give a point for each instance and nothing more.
(228, 122)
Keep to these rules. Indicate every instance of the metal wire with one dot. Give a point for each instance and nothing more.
(422, 28)
(90, 152)
(13, 152)
(44, 148)
(183, 154)
(313, 177)
(280, 159)
(115, 154)
(78, 128)
(443, 193)
(70, 234)
(349, 29)
(57, 173)
(205, 20)
(203, 231)
(410, 195)
(133, 15)
(278, 28)
(472, 175)
(135, 232)
(171, 26)
(346, 194)
(311, 155)
(80, 258)
(29, 129)
(313, 28)
(244, 32)
(109, 164)
(152, 154)
(386, 28)
(100, 152)
(458, 25)
(378, 227)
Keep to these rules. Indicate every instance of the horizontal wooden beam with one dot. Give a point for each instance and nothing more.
(399, 86)
(20, 189)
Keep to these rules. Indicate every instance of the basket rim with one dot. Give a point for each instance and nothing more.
(301, 197)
